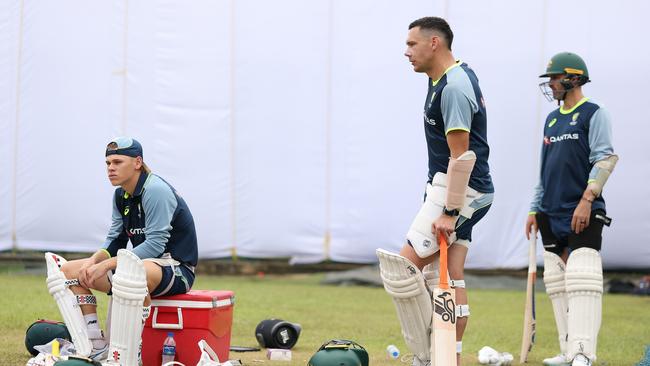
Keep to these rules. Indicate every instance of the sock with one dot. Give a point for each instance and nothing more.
(92, 323)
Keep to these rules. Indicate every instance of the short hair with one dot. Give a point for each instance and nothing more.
(436, 24)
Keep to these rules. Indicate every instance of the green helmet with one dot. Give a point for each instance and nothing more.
(44, 331)
(566, 63)
(340, 352)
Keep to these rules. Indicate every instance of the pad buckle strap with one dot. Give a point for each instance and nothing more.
(146, 310)
(86, 300)
(73, 282)
(462, 310)
(457, 283)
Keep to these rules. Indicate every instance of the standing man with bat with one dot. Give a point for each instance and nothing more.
(576, 160)
(458, 194)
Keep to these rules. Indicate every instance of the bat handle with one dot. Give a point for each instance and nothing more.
(442, 241)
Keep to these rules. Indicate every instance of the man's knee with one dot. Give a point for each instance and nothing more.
(154, 275)
(409, 253)
(70, 270)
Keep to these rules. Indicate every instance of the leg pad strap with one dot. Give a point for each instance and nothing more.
(462, 310)
(457, 283)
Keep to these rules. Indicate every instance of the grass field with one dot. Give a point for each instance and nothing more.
(363, 314)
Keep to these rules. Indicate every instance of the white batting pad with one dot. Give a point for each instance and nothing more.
(129, 292)
(57, 285)
(405, 284)
(584, 286)
(431, 273)
(554, 273)
(109, 310)
(419, 234)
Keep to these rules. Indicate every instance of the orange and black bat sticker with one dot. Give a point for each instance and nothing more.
(445, 307)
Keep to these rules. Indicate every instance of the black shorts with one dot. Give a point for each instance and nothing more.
(175, 280)
(556, 238)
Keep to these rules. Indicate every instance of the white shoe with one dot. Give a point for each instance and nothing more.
(418, 362)
(99, 354)
(581, 360)
(559, 360)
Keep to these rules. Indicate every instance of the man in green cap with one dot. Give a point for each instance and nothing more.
(577, 158)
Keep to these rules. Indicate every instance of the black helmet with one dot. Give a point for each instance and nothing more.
(277, 333)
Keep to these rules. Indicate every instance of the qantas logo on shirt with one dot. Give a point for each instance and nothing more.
(567, 136)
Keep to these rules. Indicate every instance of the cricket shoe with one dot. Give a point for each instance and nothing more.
(581, 360)
(99, 354)
(559, 360)
(418, 362)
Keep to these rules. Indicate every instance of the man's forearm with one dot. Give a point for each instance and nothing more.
(100, 256)
(588, 195)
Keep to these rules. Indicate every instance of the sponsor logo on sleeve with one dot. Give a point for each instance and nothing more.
(428, 120)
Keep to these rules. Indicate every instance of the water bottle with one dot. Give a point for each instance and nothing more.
(169, 349)
(393, 352)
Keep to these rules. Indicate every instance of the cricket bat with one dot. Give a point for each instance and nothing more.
(528, 338)
(443, 334)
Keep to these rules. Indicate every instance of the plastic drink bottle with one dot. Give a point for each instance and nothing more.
(169, 349)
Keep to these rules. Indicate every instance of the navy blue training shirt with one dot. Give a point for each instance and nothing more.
(574, 140)
(155, 219)
(455, 102)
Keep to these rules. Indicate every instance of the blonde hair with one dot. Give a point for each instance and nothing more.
(145, 168)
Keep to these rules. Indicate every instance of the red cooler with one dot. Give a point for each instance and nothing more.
(196, 315)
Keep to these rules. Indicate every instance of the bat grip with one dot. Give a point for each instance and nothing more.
(444, 278)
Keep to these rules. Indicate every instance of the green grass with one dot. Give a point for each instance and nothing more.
(365, 315)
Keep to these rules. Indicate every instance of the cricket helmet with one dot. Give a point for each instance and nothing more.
(277, 333)
(569, 64)
(340, 352)
(566, 63)
(43, 332)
